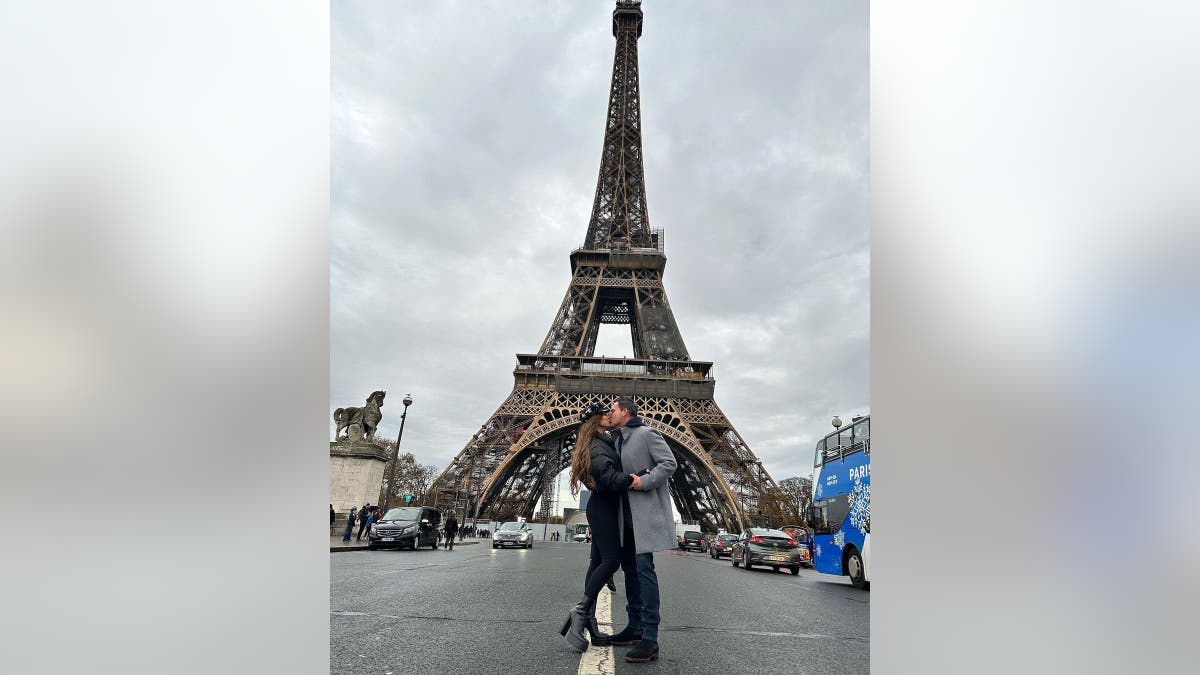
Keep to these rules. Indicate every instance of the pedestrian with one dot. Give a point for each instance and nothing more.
(364, 516)
(646, 508)
(331, 515)
(349, 525)
(451, 531)
(596, 464)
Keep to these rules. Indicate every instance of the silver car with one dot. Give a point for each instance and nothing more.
(513, 534)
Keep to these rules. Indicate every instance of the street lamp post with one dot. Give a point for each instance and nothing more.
(391, 485)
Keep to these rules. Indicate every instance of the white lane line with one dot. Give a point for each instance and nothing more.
(599, 660)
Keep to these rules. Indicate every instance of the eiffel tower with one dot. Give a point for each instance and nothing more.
(616, 278)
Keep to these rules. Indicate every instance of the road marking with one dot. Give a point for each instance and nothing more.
(599, 660)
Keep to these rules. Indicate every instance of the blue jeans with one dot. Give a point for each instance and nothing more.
(641, 593)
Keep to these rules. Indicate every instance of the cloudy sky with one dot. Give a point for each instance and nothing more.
(466, 143)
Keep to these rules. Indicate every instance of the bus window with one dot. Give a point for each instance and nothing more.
(862, 430)
(820, 453)
(830, 514)
(846, 437)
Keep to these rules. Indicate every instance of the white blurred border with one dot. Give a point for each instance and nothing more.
(164, 348)
(1033, 335)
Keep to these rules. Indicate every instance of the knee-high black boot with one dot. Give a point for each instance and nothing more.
(577, 623)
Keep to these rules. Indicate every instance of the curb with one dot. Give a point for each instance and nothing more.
(364, 547)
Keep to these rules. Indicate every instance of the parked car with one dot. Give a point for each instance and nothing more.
(513, 534)
(411, 526)
(721, 544)
(770, 548)
(803, 538)
(692, 539)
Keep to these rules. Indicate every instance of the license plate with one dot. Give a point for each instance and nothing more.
(386, 539)
(779, 557)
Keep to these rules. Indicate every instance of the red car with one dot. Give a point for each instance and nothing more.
(803, 539)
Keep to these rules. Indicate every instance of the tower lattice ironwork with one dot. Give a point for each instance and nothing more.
(616, 278)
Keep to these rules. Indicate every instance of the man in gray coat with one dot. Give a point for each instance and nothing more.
(647, 511)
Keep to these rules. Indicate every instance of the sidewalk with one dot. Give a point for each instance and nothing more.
(335, 544)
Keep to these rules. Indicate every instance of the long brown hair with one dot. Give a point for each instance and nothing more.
(581, 456)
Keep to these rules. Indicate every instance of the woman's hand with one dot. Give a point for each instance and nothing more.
(637, 482)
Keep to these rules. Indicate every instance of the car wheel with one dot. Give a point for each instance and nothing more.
(371, 548)
(795, 570)
(746, 561)
(775, 568)
(854, 568)
(495, 546)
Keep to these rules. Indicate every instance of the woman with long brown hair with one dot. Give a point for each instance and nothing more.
(596, 463)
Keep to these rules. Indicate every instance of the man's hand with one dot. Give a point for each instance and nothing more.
(637, 482)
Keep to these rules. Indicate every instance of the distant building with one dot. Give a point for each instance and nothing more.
(584, 496)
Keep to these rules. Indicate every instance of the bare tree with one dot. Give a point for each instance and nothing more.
(798, 492)
(412, 478)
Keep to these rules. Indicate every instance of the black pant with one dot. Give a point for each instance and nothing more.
(361, 528)
(450, 540)
(606, 550)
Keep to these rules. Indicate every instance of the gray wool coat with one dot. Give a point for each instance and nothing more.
(644, 448)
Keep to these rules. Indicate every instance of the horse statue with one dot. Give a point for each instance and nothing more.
(366, 417)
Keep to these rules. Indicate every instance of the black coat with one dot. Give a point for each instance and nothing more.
(606, 468)
(611, 484)
(451, 525)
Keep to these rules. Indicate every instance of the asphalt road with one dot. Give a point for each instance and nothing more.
(479, 610)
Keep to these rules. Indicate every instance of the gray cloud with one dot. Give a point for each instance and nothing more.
(465, 146)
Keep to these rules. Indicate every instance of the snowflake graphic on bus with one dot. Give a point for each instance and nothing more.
(841, 509)
(860, 506)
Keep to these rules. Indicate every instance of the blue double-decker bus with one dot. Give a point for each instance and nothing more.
(841, 509)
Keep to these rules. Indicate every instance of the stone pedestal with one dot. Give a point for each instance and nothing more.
(355, 477)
